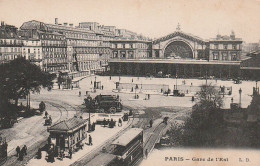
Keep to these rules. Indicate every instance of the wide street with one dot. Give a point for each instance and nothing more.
(62, 104)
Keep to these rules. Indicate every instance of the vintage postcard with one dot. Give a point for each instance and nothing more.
(129, 83)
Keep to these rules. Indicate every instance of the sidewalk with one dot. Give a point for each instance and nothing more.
(100, 136)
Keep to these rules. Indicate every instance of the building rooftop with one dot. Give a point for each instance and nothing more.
(69, 124)
(179, 33)
(30, 25)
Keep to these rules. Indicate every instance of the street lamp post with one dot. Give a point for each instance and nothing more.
(206, 77)
(88, 103)
(95, 82)
(240, 92)
(176, 76)
(136, 87)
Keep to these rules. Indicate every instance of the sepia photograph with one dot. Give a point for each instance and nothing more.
(130, 83)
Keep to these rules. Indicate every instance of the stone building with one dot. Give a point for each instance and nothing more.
(10, 43)
(32, 50)
(225, 48)
(53, 45)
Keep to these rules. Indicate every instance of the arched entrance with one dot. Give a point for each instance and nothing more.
(178, 50)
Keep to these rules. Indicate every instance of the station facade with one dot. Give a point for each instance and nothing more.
(183, 55)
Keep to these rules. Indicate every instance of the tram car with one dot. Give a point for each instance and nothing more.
(3, 150)
(126, 150)
(128, 147)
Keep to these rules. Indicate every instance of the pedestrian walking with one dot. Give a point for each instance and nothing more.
(90, 140)
(110, 77)
(102, 87)
(91, 82)
(17, 151)
(21, 156)
(46, 114)
(151, 123)
(132, 80)
(24, 150)
(192, 99)
(79, 93)
(104, 122)
(70, 152)
(146, 153)
(120, 122)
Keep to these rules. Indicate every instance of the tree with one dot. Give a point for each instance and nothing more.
(205, 125)
(209, 96)
(19, 77)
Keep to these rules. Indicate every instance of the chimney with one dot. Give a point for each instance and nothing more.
(65, 24)
(56, 21)
(71, 25)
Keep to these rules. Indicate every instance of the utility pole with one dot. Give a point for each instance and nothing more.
(240, 92)
(176, 76)
(206, 77)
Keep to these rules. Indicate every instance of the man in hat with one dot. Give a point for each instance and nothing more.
(90, 140)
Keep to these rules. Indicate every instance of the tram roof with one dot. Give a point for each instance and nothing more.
(129, 135)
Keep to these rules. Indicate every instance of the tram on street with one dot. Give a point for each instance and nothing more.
(126, 150)
(128, 147)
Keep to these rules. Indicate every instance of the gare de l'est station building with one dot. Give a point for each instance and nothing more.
(180, 54)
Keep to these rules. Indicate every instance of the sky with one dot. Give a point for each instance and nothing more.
(151, 18)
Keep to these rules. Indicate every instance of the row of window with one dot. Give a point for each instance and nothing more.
(88, 57)
(85, 43)
(63, 50)
(10, 49)
(53, 43)
(32, 43)
(91, 50)
(55, 61)
(225, 56)
(123, 45)
(10, 42)
(9, 57)
(53, 69)
(56, 56)
(131, 55)
(225, 46)
(52, 36)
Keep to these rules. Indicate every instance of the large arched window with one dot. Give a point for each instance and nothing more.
(178, 49)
